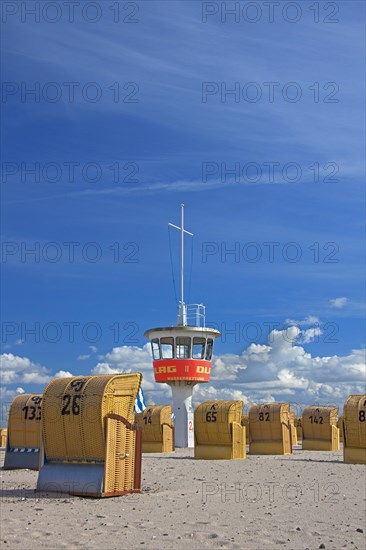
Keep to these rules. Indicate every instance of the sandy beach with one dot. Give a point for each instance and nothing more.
(307, 500)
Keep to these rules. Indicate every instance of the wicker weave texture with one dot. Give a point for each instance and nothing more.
(213, 419)
(3, 437)
(354, 414)
(218, 431)
(24, 423)
(120, 458)
(298, 425)
(266, 421)
(74, 414)
(293, 428)
(316, 422)
(340, 428)
(157, 429)
(245, 423)
(269, 426)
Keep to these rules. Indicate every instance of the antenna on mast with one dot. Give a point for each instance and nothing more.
(182, 312)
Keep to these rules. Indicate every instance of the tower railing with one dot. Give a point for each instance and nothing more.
(194, 315)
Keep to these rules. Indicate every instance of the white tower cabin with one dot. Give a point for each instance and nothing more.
(182, 355)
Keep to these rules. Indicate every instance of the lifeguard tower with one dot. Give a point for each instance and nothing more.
(182, 355)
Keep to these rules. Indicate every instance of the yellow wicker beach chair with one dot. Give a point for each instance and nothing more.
(92, 447)
(270, 429)
(3, 437)
(354, 430)
(24, 433)
(319, 429)
(245, 423)
(298, 427)
(218, 433)
(293, 429)
(340, 427)
(157, 429)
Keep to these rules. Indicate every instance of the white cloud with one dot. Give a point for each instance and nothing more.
(339, 302)
(105, 368)
(15, 369)
(202, 392)
(126, 359)
(94, 349)
(287, 372)
(311, 335)
(304, 336)
(282, 370)
(63, 374)
(36, 378)
(83, 357)
(308, 321)
(6, 397)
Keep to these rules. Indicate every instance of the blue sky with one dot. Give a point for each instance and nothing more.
(172, 136)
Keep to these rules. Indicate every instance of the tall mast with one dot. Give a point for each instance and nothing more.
(182, 258)
(182, 316)
(176, 360)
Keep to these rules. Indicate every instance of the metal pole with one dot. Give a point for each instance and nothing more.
(182, 309)
(182, 265)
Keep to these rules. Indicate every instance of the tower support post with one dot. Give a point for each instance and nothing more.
(183, 413)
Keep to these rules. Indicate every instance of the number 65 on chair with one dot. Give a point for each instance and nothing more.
(218, 433)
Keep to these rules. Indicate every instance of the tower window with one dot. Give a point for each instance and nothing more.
(155, 347)
(167, 348)
(209, 349)
(198, 351)
(183, 345)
